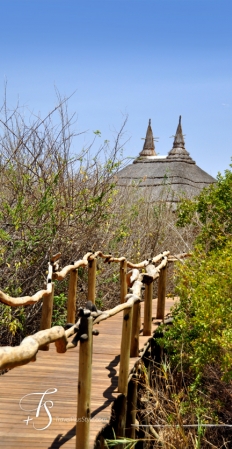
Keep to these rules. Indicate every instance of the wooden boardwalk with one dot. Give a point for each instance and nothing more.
(23, 388)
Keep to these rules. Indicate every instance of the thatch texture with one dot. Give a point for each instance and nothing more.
(165, 177)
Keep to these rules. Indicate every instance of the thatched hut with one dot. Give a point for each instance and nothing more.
(165, 177)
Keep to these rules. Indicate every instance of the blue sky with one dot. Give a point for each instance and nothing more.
(146, 58)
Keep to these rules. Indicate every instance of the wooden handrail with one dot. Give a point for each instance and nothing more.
(117, 309)
(26, 300)
(11, 357)
(60, 275)
(136, 279)
(176, 257)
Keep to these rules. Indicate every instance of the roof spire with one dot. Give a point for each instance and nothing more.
(149, 146)
(178, 151)
(179, 138)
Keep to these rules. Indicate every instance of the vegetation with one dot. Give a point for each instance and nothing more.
(202, 320)
(187, 400)
(202, 332)
(52, 199)
(199, 343)
(210, 213)
(56, 199)
(177, 417)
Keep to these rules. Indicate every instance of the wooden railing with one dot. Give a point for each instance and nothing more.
(83, 330)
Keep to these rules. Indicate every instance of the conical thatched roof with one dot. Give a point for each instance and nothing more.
(165, 177)
(149, 146)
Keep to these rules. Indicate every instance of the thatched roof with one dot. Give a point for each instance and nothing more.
(167, 177)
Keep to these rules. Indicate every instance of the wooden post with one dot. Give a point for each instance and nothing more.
(161, 293)
(125, 351)
(46, 318)
(136, 323)
(120, 423)
(84, 389)
(147, 325)
(123, 280)
(92, 280)
(72, 293)
(131, 408)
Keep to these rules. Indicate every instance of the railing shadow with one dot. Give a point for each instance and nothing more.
(61, 439)
(108, 392)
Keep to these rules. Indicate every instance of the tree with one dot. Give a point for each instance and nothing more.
(211, 213)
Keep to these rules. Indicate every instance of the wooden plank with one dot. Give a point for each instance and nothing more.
(60, 372)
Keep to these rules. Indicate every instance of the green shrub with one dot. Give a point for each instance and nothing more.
(202, 332)
(210, 213)
(59, 316)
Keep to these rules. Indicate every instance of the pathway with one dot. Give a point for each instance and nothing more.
(57, 374)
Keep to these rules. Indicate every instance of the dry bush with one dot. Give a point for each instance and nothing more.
(56, 199)
(175, 416)
(52, 199)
